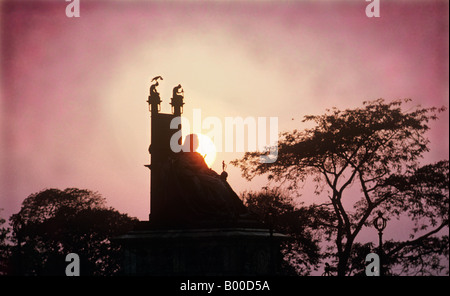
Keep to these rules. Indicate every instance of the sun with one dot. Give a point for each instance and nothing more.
(207, 149)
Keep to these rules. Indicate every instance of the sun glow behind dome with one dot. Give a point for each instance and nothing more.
(207, 149)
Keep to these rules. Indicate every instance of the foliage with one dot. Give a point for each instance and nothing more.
(53, 223)
(424, 197)
(276, 210)
(369, 148)
(5, 248)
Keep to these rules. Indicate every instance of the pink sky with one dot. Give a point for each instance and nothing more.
(73, 110)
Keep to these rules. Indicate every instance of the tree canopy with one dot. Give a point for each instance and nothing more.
(53, 223)
(275, 208)
(4, 246)
(376, 147)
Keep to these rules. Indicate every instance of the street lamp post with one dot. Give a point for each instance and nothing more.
(380, 224)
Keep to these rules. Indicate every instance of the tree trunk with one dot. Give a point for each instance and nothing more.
(344, 258)
(342, 264)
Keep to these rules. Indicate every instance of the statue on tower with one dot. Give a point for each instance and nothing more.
(177, 100)
(154, 99)
(153, 91)
(178, 91)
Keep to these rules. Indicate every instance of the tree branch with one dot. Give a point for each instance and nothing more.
(417, 240)
(364, 188)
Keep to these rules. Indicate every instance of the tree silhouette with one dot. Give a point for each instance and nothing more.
(364, 147)
(276, 210)
(53, 223)
(5, 248)
(424, 197)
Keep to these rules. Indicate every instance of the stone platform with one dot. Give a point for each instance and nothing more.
(205, 251)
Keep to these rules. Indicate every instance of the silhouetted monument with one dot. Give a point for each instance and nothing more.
(184, 191)
(197, 223)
